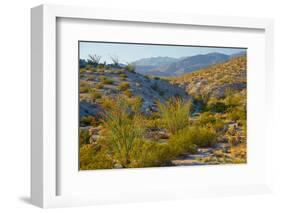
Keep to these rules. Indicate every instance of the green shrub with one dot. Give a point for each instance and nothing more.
(202, 136)
(128, 93)
(82, 70)
(86, 120)
(174, 114)
(107, 81)
(94, 156)
(83, 137)
(124, 86)
(217, 107)
(84, 89)
(130, 68)
(182, 142)
(206, 118)
(123, 131)
(186, 140)
(218, 125)
(149, 154)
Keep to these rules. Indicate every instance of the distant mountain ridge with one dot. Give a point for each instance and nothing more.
(155, 61)
(168, 66)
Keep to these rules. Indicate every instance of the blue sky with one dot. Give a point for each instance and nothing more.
(133, 52)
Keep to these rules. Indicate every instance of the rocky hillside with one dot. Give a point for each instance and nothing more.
(97, 83)
(216, 80)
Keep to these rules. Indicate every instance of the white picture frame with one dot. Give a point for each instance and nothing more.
(44, 155)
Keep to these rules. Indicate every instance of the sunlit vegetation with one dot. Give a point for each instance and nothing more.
(107, 81)
(121, 133)
(124, 86)
(128, 93)
(130, 68)
(175, 114)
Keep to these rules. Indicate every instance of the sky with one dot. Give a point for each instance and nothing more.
(131, 52)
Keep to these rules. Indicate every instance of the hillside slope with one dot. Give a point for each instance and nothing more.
(100, 83)
(215, 80)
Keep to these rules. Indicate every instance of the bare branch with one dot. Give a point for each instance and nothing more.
(115, 60)
(94, 59)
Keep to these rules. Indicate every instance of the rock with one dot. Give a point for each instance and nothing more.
(163, 135)
(94, 138)
(95, 130)
(138, 84)
(118, 166)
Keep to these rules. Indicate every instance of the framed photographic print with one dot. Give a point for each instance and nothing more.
(129, 106)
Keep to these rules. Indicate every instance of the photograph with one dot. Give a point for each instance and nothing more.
(161, 105)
